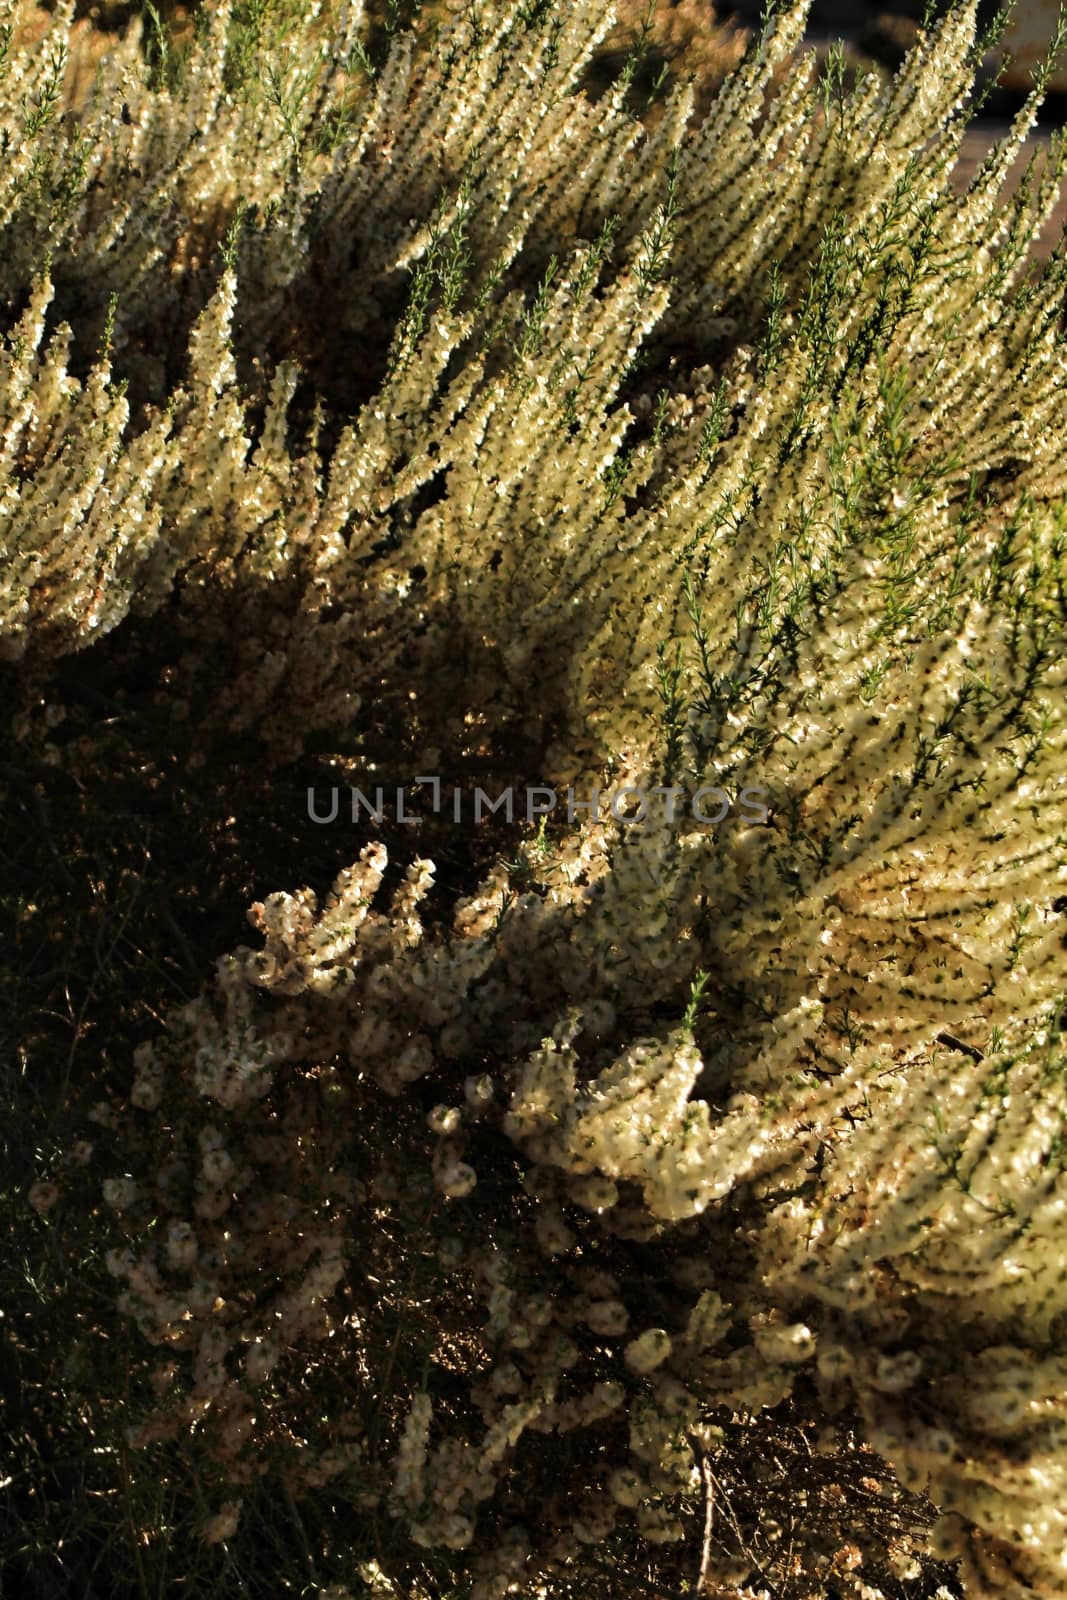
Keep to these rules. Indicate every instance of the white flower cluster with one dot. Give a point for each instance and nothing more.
(190, 491)
(888, 1193)
(377, 1132)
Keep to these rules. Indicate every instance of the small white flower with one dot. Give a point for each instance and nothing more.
(42, 1197)
(182, 1246)
(478, 1091)
(648, 1351)
(456, 1180)
(120, 1193)
(223, 1525)
(444, 1120)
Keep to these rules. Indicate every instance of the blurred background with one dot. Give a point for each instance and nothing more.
(871, 29)
(687, 38)
(884, 31)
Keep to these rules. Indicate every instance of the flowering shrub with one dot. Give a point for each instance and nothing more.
(678, 458)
